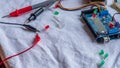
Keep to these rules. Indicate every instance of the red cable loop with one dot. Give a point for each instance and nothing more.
(36, 40)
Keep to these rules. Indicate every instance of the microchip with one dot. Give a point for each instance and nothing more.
(100, 26)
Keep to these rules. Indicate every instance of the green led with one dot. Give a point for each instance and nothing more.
(56, 13)
(106, 55)
(101, 52)
(95, 11)
(102, 63)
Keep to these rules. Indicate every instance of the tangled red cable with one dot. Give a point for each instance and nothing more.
(36, 40)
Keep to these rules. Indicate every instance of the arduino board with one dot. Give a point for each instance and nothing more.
(101, 25)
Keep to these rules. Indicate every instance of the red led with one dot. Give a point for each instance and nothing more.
(47, 27)
(111, 25)
(57, 6)
(94, 15)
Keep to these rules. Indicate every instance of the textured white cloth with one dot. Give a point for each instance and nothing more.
(69, 47)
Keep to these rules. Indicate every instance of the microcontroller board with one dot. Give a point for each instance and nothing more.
(101, 25)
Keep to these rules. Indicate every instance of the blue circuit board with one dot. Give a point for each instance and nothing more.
(102, 26)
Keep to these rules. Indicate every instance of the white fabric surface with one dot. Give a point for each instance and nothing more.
(69, 47)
